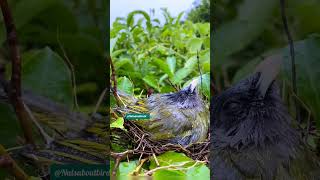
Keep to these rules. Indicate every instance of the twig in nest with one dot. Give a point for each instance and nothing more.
(73, 77)
(103, 94)
(15, 84)
(48, 139)
(138, 168)
(10, 165)
(175, 87)
(173, 167)
(292, 55)
(119, 157)
(113, 78)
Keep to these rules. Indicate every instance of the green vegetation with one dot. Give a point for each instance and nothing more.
(147, 54)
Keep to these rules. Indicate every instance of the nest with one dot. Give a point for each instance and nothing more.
(143, 146)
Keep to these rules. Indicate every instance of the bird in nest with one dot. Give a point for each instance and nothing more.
(179, 118)
(253, 135)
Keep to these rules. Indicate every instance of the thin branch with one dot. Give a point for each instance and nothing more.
(292, 54)
(199, 69)
(73, 77)
(15, 84)
(101, 97)
(114, 79)
(48, 139)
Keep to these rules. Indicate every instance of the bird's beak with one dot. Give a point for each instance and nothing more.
(193, 84)
(268, 69)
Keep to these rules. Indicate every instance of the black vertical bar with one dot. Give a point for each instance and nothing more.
(211, 74)
(107, 66)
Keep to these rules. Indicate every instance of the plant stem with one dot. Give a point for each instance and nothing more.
(15, 84)
(292, 55)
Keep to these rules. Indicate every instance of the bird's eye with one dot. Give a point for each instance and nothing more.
(233, 105)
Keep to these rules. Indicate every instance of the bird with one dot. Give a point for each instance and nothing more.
(180, 117)
(253, 136)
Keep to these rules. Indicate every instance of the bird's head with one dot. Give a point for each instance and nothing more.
(187, 97)
(251, 112)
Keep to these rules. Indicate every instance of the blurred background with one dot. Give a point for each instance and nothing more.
(247, 31)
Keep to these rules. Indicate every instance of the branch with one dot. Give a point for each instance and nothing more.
(7, 163)
(292, 54)
(113, 78)
(15, 84)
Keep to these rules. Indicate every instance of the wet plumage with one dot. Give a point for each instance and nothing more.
(253, 137)
(180, 118)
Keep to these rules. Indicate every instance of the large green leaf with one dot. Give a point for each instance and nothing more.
(171, 61)
(194, 44)
(253, 17)
(124, 169)
(185, 71)
(125, 85)
(46, 73)
(203, 28)
(308, 72)
(187, 167)
(151, 81)
(163, 66)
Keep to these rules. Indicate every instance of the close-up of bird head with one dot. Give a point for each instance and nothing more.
(187, 97)
(251, 112)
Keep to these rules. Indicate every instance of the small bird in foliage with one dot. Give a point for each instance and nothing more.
(252, 132)
(179, 118)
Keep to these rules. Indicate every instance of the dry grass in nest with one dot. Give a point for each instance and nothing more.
(144, 147)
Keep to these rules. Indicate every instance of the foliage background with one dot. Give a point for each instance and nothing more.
(246, 31)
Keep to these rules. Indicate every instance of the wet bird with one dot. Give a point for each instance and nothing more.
(180, 118)
(252, 132)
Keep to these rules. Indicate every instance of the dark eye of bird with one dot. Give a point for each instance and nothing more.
(232, 106)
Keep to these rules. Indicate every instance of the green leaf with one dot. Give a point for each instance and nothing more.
(124, 169)
(253, 17)
(171, 61)
(113, 42)
(194, 45)
(151, 81)
(163, 66)
(125, 85)
(118, 123)
(45, 72)
(130, 18)
(308, 72)
(185, 71)
(187, 167)
(205, 86)
(121, 62)
(203, 28)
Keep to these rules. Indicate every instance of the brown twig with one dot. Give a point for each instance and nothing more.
(6, 162)
(292, 54)
(73, 77)
(113, 78)
(15, 84)
(118, 157)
